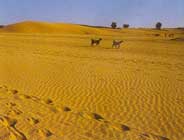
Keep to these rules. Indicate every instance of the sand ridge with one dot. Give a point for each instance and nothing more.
(54, 28)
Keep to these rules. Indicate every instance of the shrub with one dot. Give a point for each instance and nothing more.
(114, 25)
(158, 25)
(126, 25)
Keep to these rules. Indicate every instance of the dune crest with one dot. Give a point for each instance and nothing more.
(54, 28)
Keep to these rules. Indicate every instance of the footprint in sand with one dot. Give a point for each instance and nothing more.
(7, 122)
(90, 116)
(25, 96)
(45, 132)
(33, 120)
(152, 137)
(13, 91)
(120, 127)
(10, 124)
(10, 105)
(66, 109)
(125, 128)
(49, 101)
(13, 109)
(15, 134)
(39, 101)
(97, 117)
(57, 109)
(33, 98)
(14, 112)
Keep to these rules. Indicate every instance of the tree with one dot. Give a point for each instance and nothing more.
(114, 25)
(158, 25)
(126, 25)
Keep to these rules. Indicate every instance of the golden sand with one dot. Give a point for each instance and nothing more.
(55, 86)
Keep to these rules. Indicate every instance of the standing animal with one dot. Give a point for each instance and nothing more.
(95, 41)
(116, 43)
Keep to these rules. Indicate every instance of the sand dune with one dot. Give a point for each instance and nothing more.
(54, 85)
(46, 27)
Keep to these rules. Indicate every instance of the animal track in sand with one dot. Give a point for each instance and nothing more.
(121, 127)
(13, 109)
(10, 105)
(49, 101)
(33, 120)
(150, 136)
(13, 91)
(26, 96)
(97, 116)
(125, 128)
(66, 109)
(41, 101)
(45, 132)
(10, 124)
(34, 98)
(7, 122)
(14, 112)
(49, 104)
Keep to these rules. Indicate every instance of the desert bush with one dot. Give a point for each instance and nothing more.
(114, 25)
(126, 25)
(158, 25)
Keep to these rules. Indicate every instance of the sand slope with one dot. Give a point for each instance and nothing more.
(46, 27)
(56, 86)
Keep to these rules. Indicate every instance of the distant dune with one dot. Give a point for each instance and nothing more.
(32, 27)
(46, 27)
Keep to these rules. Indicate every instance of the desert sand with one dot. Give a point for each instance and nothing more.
(55, 86)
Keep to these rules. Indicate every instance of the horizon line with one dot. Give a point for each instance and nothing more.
(90, 25)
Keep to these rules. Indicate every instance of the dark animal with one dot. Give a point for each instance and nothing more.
(95, 41)
(116, 43)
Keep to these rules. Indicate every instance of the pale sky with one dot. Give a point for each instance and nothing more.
(137, 13)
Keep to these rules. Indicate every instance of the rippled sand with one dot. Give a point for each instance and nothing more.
(56, 86)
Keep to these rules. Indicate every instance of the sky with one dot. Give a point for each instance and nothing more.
(137, 13)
